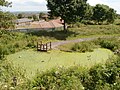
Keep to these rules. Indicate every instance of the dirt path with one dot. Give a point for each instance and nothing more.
(56, 44)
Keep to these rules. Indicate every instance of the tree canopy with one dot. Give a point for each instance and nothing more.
(35, 18)
(103, 13)
(19, 16)
(69, 10)
(6, 18)
(5, 3)
(77, 10)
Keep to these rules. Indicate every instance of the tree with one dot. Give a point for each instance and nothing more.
(111, 15)
(5, 3)
(20, 16)
(69, 10)
(89, 13)
(103, 13)
(35, 18)
(6, 18)
(41, 14)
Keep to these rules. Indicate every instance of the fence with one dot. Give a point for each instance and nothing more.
(43, 47)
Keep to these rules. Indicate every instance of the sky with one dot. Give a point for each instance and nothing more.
(40, 5)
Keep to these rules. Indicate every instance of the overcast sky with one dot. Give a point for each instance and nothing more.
(40, 5)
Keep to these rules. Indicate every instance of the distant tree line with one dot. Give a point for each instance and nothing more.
(72, 11)
(35, 17)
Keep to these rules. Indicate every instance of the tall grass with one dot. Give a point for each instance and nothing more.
(11, 42)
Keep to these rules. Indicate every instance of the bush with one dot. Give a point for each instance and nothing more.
(60, 79)
(76, 25)
(104, 77)
(12, 42)
(117, 23)
(83, 47)
(99, 77)
(88, 22)
(109, 45)
(7, 73)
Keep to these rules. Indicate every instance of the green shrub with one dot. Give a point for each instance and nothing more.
(117, 23)
(76, 25)
(83, 47)
(88, 22)
(99, 77)
(7, 73)
(102, 77)
(109, 44)
(15, 41)
(58, 80)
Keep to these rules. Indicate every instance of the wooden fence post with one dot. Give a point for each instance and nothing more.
(50, 46)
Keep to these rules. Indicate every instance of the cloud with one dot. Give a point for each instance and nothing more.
(33, 3)
(27, 5)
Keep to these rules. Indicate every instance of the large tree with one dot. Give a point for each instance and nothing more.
(6, 18)
(103, 13)
(68, 10)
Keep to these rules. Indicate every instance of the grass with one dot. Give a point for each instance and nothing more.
(81, 32)
(33, 61)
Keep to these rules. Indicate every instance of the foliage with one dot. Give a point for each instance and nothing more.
(20, 16)
(88, 30)
(104, 77)
(41, 14)
(109, 45)
(83, 47)
(11, 42)
(118, 16)
(68, 10)
(112, 43)
(7, 73)
(76, 25)
(99, 77)
(103, 13)
(6, 18)
(57, 80)
(5, 3)
(88, 13)
(111, 15)
(35, 18)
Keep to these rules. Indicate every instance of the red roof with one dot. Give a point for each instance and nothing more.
(45, 24)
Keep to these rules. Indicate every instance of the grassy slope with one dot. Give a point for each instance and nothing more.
(95, 30)
(81, 32)
(33, 61)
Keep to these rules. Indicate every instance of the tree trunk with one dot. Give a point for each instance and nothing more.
(65, 26)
